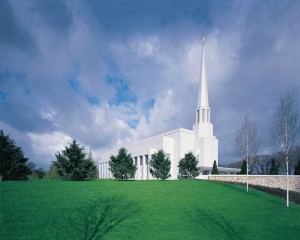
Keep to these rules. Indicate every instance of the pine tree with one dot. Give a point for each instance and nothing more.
(160, 165)
(122, 166)
(215, 168)
(274, 168)
(188, 166)
(72, 163)
(244, 167)
(12, 161)
(297, 169)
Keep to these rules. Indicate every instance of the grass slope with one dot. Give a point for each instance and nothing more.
(54, 209)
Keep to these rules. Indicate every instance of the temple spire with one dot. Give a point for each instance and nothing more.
(203, 110)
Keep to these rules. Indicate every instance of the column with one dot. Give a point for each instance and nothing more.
(208, 115)
(103, 170)
(100, 176)
(148, 167)
(137, 168)
(145, 167)
(141, 167)
(100, 170)
(107, 170)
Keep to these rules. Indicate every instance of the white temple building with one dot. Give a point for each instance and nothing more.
(200, 141)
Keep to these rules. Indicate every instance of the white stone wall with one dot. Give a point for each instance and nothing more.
(273, 181)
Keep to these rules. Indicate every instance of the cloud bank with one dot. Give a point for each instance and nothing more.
(110, 72)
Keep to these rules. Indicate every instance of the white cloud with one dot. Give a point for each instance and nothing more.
(45, 145)
(146, 47)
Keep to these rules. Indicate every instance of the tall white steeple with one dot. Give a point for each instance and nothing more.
(206, 144)
(203, 110)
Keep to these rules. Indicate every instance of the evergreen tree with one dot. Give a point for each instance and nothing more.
(244, 167)
(215, 168)
(274, 168)
(160, 165)
(12, 161)
(72, 163)
(122, 165)
(297, 169)
(188, 166)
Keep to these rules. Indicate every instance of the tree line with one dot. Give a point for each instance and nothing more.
(284, 136)
(283, 139)
(269, 164)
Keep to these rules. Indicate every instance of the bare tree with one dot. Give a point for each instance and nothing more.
(263, 164)
(285, 131)
(253, 163)
(247, 142)
(294, 158)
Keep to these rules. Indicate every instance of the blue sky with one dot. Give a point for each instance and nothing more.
(111, 72)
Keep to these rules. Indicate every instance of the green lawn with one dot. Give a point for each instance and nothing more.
(54, 209)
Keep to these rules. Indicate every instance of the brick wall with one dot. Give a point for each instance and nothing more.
(273, 181)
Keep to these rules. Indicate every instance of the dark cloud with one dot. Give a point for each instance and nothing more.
(53, 14)
(19, 108)
(127, 17)
(12, 32)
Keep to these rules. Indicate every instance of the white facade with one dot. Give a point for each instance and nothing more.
(176, 143)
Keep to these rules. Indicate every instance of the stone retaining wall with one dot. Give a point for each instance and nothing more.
(273, 181)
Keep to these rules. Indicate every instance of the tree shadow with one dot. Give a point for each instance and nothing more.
(217, 223)
(98, 217)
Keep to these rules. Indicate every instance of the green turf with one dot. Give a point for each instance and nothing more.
(54, 209)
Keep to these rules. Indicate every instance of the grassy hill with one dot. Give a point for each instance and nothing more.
(54, 209)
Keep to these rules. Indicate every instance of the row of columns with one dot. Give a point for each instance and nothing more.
(203, 116)
(141, 163)
(104, 171)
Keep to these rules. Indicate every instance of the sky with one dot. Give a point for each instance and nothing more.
(111, 72)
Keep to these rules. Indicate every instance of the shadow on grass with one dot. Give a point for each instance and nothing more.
(98, 217)
(217, 225)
